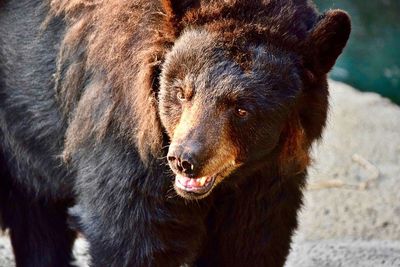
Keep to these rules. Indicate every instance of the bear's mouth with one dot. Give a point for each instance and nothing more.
(194, 187)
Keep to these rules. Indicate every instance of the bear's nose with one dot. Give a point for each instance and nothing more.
(183, 159)
(183, 166)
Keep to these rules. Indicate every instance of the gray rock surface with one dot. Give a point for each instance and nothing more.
(345, 253)
(351, 215)
(6, 257)
(361, 143)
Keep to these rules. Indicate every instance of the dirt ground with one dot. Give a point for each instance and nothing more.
(351, 215)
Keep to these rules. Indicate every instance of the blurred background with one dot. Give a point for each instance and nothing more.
(371, 61)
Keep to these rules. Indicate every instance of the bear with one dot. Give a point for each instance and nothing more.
(166, 132)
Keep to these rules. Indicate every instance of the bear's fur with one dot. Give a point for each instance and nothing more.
(98, 97)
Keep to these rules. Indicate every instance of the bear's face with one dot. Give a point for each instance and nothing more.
(220, 114)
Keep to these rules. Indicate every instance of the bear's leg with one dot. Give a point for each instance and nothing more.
(38, 229)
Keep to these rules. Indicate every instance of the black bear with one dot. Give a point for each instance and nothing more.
(167, 132)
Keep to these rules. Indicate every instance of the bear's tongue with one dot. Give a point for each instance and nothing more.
(193, 183)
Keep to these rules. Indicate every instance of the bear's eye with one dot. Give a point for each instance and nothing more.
(181, 95)
(240, 112)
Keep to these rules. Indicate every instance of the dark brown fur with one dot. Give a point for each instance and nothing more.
(126, 66)
(124, 71)
(115, 118)
(93, 25)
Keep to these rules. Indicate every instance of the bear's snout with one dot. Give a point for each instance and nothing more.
(185, 158)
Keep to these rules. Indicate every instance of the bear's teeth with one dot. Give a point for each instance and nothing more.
(202, 181)
(188, 182)
(199, 182)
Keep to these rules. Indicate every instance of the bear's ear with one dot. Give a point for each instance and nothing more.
(327, 40)
(175, 9)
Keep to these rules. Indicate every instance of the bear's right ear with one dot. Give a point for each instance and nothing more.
(175, 9)
(327, 40)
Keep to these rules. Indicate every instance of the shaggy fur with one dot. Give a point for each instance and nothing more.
(88, 110)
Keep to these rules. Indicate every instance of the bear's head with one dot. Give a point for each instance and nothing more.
(245, 83)
(236, 90)
(239, 86)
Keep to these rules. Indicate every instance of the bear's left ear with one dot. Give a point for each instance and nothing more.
(327, 40)
(175, 9)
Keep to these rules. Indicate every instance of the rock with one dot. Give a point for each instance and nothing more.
(351, 215)
(345, 253)
(6, 256)
(361, 143)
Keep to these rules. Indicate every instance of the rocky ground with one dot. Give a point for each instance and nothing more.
(351, 215)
